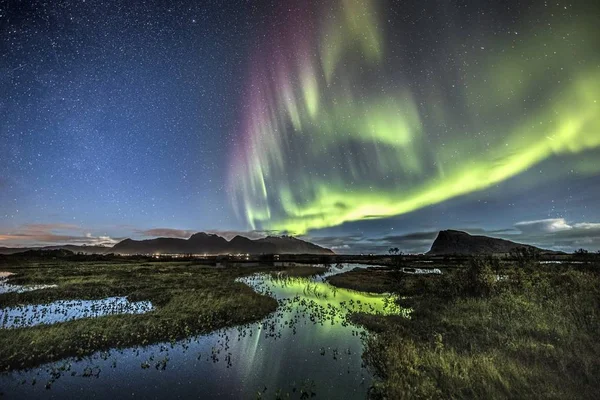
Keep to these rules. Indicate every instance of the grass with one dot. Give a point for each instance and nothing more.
(366, 280)
(188, 299)
(300, 271)
(531, 334)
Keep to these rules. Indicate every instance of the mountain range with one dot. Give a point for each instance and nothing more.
(199, 243)
(448, 242)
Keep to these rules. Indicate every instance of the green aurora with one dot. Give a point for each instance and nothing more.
(341, 128)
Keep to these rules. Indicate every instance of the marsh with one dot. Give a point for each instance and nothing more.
(305, 346)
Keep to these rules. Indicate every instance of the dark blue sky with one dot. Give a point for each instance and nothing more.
(118, 119)
(118, 112)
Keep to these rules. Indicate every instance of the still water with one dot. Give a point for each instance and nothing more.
(6, 287)
(306, 349)
(67, 310)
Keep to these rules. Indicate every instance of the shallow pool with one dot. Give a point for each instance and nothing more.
(306, 348)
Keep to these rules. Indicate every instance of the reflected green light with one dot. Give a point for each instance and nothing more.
(336, 302)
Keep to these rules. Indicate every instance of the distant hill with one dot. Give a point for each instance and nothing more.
(43, 253)
(457, 242)
(199, 243)
(69, 247)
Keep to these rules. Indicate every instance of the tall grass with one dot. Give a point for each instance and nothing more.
(492, 330)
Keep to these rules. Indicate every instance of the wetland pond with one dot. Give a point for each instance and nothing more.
(6, 287)
(305, 349)
(68, 310)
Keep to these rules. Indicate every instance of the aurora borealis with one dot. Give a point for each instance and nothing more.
(356, 124)
(334, 131)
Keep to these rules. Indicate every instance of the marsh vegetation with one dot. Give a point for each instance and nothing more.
(493, 329)
(304, 346)
(486, 328)
(187, 300)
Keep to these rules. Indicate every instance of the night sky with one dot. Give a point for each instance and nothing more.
(357, 124)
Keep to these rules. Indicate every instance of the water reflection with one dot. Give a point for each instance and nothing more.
(68, 310)
(6, 287)
(421, 271)
(307, 347)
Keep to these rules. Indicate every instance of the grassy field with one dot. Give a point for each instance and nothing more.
(188, 299)
(490, 330)
(383, 280)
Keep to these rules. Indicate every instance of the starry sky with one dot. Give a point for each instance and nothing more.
(357, 124)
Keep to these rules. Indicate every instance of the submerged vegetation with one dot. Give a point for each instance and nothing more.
(309, 330)
(188, 299)
(493, 329)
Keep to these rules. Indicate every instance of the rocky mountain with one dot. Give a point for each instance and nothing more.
(199, 243)
(458, 242)
(158, 245)
(204, 243)
(243, 245)
(292, 245)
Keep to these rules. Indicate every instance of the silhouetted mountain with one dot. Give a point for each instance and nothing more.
(158, 245)
(212, 242)
(199, 243)
(292, 245)
(80, 249)
(243, 245)
(457, 242)
(70, 247)
(43, 253)
(203, 243)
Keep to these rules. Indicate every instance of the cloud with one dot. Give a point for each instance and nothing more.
(166, 232)
(553, 234)
(51, 234)
(255, 234)
(587, 226)
(410, 237)
(346, 244)
(48, 227)
(342, 247)
(413, 242)
(543, 226)
(559, 234)
(185, 234)
(416, 242)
